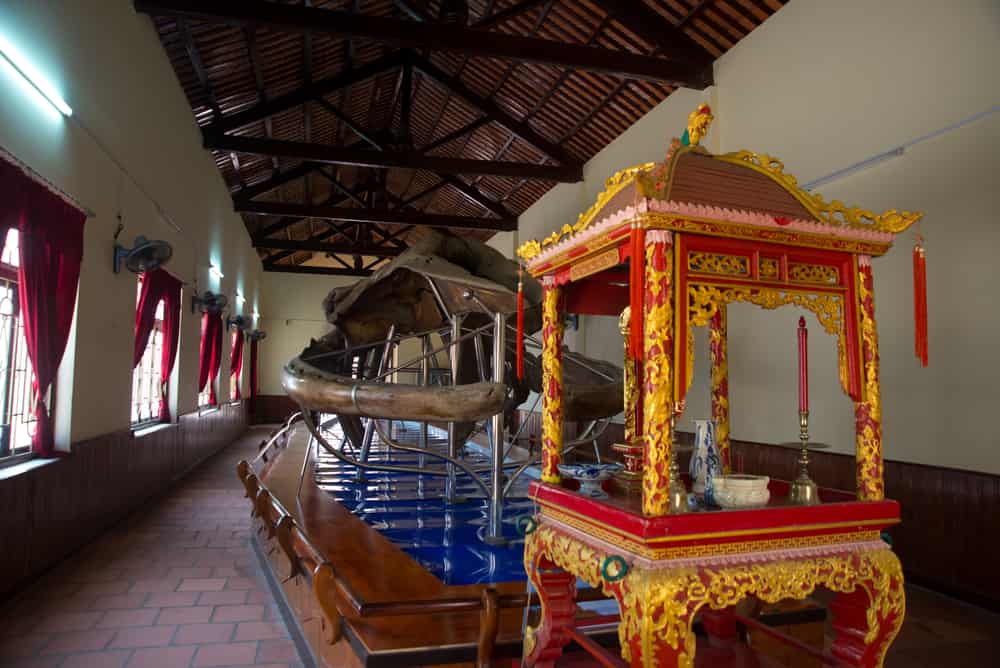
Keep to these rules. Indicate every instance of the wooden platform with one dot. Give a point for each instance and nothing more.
(381, 577)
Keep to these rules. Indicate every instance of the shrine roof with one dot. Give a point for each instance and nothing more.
(734, 190)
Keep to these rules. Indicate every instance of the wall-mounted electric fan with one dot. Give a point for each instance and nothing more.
(237, 321)
(257, 335)
(145, 255)
(209, 302)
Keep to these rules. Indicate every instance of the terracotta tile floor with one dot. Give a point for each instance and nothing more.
(177, 585)
(174, 585)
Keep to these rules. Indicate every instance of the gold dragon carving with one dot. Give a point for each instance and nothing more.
(868, 412)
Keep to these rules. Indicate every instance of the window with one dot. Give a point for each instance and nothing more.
(17, 417)
(236, 366)
(147, 386)
(205, 397)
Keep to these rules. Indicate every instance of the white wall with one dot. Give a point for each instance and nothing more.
(128, 109)
(291, 314)
(822, 86)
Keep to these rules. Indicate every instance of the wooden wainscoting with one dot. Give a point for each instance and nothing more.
(48, 512)
(949, 537)
(272, 408)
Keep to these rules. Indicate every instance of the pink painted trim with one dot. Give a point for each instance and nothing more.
(754, 218)
(659, 237)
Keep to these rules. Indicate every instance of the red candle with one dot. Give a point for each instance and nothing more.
(803, 367)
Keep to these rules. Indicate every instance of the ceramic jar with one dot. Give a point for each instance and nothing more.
(705, 461)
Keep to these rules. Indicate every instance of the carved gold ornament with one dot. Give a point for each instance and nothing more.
(631, 385)
(705, 300)
(614, 185)
(658, 605)
(833, 213)
(817, 274)
(868, 411)
(718, 263)
(769, 268)
(658, 347)
(718, 347)
(698, 122)
(552, 380)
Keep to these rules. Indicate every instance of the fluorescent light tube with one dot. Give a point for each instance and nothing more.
(33, 77)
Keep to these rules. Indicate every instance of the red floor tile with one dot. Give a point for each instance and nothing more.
(238, 613)
(114, 619)
(202, 584)
(109, 659)
(173, 599)
(143, 636)
(78, 641)
(195, 615)
(162, 657)
(227, 654)
(203, 633)
(259, 631)
(227, 598)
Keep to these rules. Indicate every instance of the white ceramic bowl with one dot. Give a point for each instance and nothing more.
(590, 476)
(741, 491)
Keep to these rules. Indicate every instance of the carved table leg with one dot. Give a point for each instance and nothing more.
(866, 620)
(557, 591)
(658, 634)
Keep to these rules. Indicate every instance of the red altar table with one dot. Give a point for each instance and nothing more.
(675, 242)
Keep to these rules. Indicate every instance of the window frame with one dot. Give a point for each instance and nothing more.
(155, 362)
(13, 388)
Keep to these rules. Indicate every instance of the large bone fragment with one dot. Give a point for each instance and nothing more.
(316, 390)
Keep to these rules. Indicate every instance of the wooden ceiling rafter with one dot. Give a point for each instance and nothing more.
(382, 217)
(392, 159)
(433, 36)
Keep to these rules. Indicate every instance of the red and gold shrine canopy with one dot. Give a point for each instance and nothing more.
(741, 195)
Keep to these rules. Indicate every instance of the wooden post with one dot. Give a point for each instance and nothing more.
(658, 371)
(718, 333)
(552, 381)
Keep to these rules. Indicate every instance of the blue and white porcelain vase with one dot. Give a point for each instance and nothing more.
(705, 462)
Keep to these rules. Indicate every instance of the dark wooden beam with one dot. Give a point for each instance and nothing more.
(505, 15)
(426, 35)
(383, 217)
(390, 159)
(452, 136)
(493, 111)
(647, 23)
(327, 271)
(325, 247)
(280, 179)
(406, 105)
(474, 194)
(302, 95)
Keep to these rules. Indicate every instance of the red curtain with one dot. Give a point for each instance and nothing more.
(51, 249)
(157, 286)
(253, 375)
(211, 354)
(236, 362)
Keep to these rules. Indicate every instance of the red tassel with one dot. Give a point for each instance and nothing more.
(520, 327)
(920, 300)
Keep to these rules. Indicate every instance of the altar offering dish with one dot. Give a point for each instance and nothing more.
(590, 477)
(741, 491)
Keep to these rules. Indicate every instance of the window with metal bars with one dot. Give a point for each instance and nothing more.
(17, 417)
(234, 380)
(147, 386)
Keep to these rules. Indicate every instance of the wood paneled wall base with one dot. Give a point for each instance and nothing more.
(52, 510)
(947, 539)
(272, 409)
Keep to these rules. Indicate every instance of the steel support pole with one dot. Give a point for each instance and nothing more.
(453, 445)
(366, 442)
(425, 381)
(494, 528)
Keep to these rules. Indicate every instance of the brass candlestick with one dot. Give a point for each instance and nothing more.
(676, 491)
(803, 490)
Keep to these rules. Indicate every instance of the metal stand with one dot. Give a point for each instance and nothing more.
(803, 491)
(676, 491)
(494, 526)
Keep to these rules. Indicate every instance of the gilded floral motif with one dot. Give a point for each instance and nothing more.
(552, 379)
(705, 300)
(818, 274)
(658, 605)
(868, 411)
(718, 345)
(833, 213)
(768, 267)
(718, 263)
(631, 385)
(658, 343)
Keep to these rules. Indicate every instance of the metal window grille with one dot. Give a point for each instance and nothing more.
(17, 417)
(147, 385)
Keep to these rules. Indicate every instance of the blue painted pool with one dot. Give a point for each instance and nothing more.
(407, 508)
